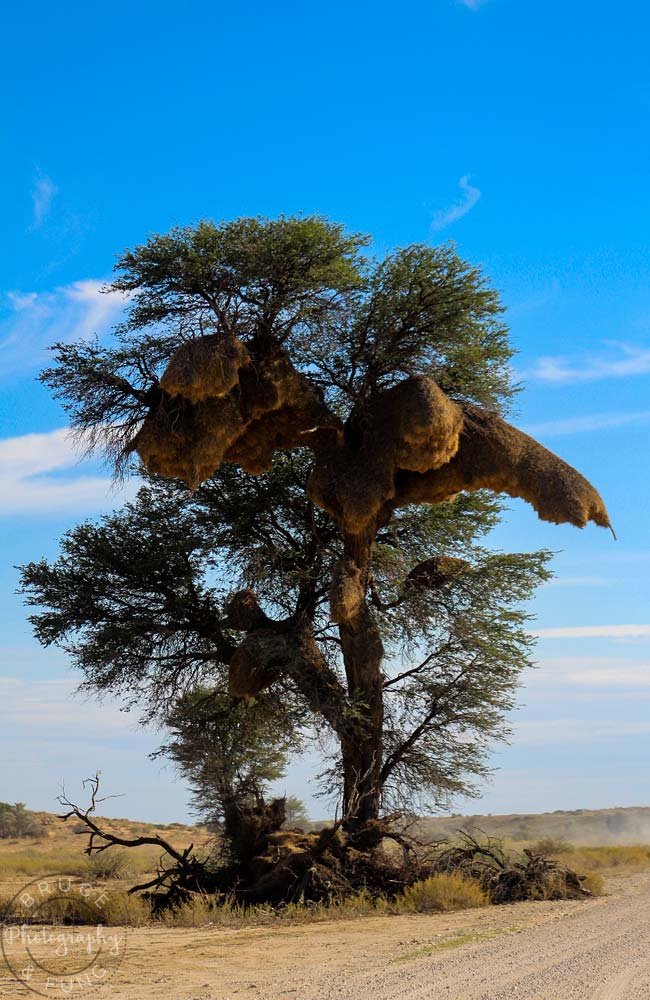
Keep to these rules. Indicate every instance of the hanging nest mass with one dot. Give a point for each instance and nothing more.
(407, 444)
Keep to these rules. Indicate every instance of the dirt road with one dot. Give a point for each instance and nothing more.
(599, 950)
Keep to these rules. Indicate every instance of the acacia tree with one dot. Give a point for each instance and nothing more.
(339, 421)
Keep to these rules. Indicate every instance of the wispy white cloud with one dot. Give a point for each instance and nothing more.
(594, 632)
(39, 474)
(544, 731)
(448, 215)
(472, 4)
(620, 361)
(617, 676)
(43, 192)
(32, 321)
(621, 672)
(37, 704)
(590, 422)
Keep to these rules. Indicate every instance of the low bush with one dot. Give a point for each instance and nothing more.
(550, 847)
(108, 865)
(440, 893)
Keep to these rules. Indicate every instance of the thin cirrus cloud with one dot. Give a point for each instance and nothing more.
(596, 672)
(621, 362)
(590, 422)
(553, 731)
(447, 216)
(50, 704)
(39, 474)
(43, 194)
(31, 321)
(619, 677)
(472, 4)
(594, 632)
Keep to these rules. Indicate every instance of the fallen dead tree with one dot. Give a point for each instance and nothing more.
(511, 877)
(260, 861)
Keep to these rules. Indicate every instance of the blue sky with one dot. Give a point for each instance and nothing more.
(517, 129)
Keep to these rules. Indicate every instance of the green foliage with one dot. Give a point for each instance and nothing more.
(228, 751)
(276, 270)
(296, 813)
(17, 821)
(352, 323)
(423, 310)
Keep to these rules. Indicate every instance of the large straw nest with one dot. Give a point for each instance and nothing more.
(496, 456)
(411, 426)
(218, 405)
(254, 664)
(205, 366)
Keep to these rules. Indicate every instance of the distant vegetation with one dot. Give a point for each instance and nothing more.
(17, 821)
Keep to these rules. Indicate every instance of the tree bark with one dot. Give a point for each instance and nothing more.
(362, 656)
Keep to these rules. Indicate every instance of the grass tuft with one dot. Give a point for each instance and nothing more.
(441, 893)
(595, 859)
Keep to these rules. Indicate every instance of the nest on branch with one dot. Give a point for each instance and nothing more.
(217, 405)
(409, 443)
(412, 425)
(347, 592)
(494, 455)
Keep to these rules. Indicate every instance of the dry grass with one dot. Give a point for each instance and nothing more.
(32, 862)
(109, 865)
(595, 884)
(598, 859)
(441, 893)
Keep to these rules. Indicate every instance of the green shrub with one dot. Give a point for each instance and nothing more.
(17, 821)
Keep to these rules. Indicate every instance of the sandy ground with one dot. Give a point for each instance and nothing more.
(598, 950)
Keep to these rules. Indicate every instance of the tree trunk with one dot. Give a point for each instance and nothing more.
(362, 656)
